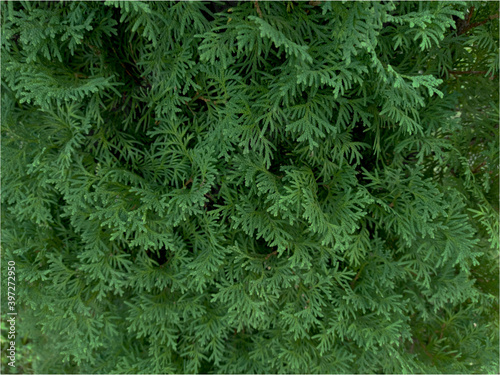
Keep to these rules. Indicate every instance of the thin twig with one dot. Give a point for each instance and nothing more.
(275, 252)
(458, 72)
(257, 7)
(476, 24)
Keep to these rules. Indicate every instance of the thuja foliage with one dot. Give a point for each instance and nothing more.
(252, 187)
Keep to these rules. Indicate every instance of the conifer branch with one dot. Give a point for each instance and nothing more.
(156, 156)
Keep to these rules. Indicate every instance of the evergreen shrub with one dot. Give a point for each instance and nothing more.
(252, 187)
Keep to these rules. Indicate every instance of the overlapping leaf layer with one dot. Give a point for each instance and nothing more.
(253, 187)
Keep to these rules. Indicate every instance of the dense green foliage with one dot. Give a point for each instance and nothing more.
(269, 187)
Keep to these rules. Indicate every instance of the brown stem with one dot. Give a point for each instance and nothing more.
(417, 341)
(257, 7)
(209, 196)
(426, 352)
(190, 181)
(187, 104)
(275, 252)
(442, 330)
(476, 24)
(470, 14)
(458, 72)
(465, 25)
(475, 170)
(356, 277)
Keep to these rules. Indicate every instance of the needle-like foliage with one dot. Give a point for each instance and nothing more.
(252, 187)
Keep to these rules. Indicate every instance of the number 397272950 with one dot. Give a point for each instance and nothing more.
(11, 285)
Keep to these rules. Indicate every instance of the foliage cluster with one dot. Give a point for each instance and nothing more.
(240, 187)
